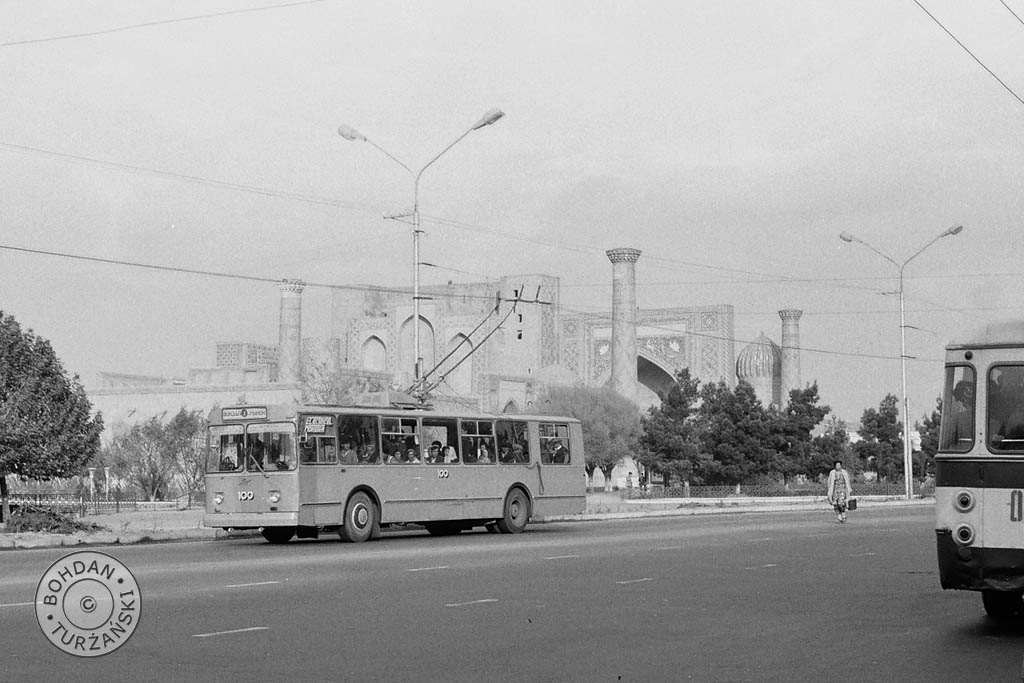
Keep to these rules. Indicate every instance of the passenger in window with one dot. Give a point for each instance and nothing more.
(483, 454)
(307, 451)
(348, 454)
(963, 397)
(329, 455)
(450, 454)
(411, 457)
(505, 454)
(434, 453)
(559, 454)
(519, 453)
(368, 454)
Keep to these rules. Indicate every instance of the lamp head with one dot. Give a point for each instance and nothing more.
(955, 230)
(491, 116)
(846, 237)
(350, 133)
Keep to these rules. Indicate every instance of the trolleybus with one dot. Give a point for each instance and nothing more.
(979, 468)
(302, 470)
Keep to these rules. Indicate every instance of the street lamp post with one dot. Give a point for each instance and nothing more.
(350, 133)
(908, 467)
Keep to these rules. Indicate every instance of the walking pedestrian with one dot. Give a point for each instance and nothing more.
(839, 490)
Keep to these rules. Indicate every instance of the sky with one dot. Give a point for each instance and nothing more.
(731, 142)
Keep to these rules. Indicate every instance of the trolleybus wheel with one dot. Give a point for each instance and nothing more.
(278, 534)
(442, 528)
(360, 519)
(492, 528)
(517, 513)
(1002, 604)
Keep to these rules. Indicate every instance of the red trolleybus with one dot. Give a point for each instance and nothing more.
(979, 468)
(300, 470)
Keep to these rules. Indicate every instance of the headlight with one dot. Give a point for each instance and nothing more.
(218, 498)
(964, 501)
(964, 534)
(275, 496)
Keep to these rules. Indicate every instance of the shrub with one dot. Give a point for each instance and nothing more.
(39, 518)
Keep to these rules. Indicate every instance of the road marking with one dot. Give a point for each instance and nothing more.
(471, 602)
(672, 547)
(427, 569)
(862, 555)
(18, 604)
(237, 630)
(759, 540)
(623, 583)
(561, 557)
(762, 566)
(246, 585)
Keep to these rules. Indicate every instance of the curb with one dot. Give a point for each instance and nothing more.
(674, 507)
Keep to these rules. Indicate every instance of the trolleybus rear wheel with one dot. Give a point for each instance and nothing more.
(1002, 604)
(517, 513)
(360, 519)
(278, 534)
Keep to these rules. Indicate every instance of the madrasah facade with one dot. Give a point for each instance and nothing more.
(521, 339)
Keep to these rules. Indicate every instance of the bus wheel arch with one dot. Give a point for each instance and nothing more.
(362, 517)
(516, 511)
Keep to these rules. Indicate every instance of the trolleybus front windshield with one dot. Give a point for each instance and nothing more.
(957, 431)
(1006, 408)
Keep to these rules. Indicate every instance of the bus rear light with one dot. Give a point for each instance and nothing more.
(964, 534)
(964, 501)
(274, 497)
(218, 499)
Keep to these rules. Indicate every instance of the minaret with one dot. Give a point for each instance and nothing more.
(624, 378)
(790, 352)
(289, 340)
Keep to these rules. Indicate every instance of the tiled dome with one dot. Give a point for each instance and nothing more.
(760, 358)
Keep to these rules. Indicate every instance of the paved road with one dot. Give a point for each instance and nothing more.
(776, 597)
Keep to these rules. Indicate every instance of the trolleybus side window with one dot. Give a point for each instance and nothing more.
(270, 446)
(227, 446)
(958, 402)
(1006, 408)
(554, 443)
(478, 442)
(513, 442)
(438, 434)
(401, 441)
(360, 439)
(319, 443)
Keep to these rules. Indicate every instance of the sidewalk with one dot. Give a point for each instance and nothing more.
(170, 525)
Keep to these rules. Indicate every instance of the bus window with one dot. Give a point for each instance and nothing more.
(554, 443)
(318, 450)
(437, 434)
(1006, 408)
(513, 442)
(400, 440)
(271, 446)
(957, 426)
(478, 442)
(226, 448)
(360, 439)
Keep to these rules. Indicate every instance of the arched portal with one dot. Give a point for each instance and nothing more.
(460, 378)
(374, 354)
(406, 346)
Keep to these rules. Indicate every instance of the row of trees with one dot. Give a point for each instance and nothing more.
(716, 435)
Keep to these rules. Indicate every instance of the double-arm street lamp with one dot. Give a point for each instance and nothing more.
(907, 462)
(350, 133)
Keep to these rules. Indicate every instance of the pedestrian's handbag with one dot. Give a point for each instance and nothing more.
(851, 504)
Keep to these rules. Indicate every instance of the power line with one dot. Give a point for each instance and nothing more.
(159, 22)
(968, 51)
(1015, 15)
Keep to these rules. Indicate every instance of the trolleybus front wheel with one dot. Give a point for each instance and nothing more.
(517, 513)
(278, 534)
(361, 521)
(1002, 604)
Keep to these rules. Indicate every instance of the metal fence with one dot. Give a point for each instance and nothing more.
(82, 505)
(888, 488)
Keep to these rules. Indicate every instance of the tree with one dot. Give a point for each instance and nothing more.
(186, 440)
(323, 383)
(669, 445)
(610, 422)
(882, 446)
(929, 428)
(831, 445)
(46, 427)
(734, 433)
(144, 455)
(791, 432)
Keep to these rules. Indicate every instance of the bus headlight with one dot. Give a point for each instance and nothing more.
(274, 497)
(964, 534)
(964, 501)
(218, 499)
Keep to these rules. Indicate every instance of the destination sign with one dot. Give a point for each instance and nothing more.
(317, 424)
(250, 413)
